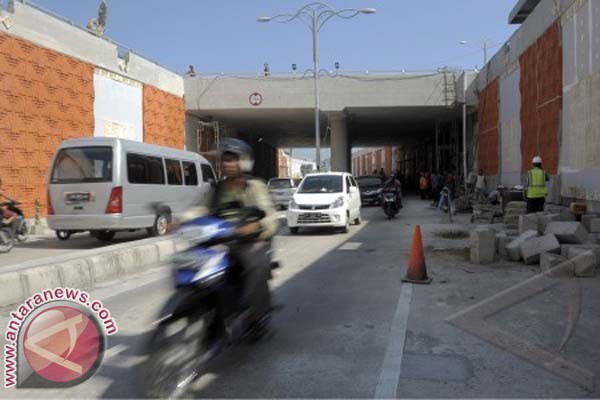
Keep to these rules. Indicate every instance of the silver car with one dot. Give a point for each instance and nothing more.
(105, 185)
(282, 190)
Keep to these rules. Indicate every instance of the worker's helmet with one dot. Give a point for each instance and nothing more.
(241, 149)
(537, 160)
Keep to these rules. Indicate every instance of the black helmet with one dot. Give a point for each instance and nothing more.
(241, 149)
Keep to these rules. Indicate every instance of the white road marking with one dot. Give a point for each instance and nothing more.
(115, 350)
(392, 363)
(350, 246)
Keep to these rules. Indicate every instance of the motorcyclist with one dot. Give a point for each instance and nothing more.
(239, 190)
(7, 217)
(392, 184)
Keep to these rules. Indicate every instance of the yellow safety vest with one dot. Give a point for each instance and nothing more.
(537, 184)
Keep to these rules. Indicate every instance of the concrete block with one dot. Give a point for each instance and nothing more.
(166, 248)
(514, 248)
(584, 264)
(105, 267)
(40, 278)
(586, 219)
(76, 273)
(594, 225)
(565, 248)
(566, 215)
(483, 246)
(502, 240)
(545, 219)
(519, 205)
(12, 290)
(568, 232)
(528, 222)
(575, 251)
(550, 260)
(533, 247)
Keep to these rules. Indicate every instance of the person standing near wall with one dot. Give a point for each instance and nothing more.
(536, 187)
(480, 186)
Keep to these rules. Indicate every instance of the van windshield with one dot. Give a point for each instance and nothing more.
(280, 184)
(83, 164)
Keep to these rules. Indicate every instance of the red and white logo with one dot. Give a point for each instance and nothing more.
(63, 344)
(256, 99)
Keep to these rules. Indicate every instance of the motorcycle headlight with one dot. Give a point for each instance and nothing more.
(339, 202)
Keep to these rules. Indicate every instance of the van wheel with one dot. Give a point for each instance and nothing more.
(294, 230)
(358, 220)
(105, 236)
(346, 227)
(161, 224)
(63, 235)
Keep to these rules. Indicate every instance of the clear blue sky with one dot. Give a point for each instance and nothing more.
(222, 35)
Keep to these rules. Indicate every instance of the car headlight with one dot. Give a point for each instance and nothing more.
(339, 202)
(292, 204)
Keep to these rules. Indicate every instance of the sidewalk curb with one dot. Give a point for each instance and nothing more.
(86, 272)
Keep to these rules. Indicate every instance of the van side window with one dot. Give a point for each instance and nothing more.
(207, 173)
(145, 169)
(190, 174)
(348, 183)
(174, 176)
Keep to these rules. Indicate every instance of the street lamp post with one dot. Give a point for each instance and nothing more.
(314, 16)
(485, 46)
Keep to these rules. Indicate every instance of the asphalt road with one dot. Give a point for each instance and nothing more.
(351, 329)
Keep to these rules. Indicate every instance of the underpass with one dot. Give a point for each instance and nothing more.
(420, 111)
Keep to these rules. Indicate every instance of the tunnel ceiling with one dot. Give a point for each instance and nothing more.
(367, 126)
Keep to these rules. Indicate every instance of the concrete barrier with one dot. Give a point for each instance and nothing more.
(84, 270)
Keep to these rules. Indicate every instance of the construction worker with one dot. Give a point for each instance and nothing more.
(536, 186)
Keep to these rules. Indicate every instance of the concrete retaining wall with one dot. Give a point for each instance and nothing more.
(84, 270)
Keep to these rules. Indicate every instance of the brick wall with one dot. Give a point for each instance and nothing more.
(488, 129)
(541, 94)
(164, 118)
(45, 97)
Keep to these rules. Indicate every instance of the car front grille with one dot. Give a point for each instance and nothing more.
(313, 218)
(305, 207)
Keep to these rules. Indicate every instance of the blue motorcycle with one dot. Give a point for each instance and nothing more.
(204, 315)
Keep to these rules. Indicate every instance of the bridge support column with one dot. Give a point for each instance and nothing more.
(340, 143)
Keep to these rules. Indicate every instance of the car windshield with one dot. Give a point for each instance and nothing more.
(280, 184)
(83, 164)
(322, 184)
(369, 181)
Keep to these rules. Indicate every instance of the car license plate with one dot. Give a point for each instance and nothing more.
(77, 197)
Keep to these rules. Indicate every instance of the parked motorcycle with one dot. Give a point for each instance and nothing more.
(21, 231)
(203, 316)
(390, 203)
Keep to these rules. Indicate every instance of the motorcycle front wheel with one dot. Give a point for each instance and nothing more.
(177, 351)
(22, 231)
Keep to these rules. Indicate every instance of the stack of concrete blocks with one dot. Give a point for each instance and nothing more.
(512, 212)
(532, 248)
(502, 240)
(578, 246)
(483, 245)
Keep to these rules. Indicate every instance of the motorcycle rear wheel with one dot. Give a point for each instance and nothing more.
(6, 243)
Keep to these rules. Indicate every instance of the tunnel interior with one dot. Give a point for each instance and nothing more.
(414, 138)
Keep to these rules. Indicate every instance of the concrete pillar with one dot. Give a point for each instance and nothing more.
(340, 144)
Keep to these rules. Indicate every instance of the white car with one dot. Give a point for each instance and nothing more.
(329, 199)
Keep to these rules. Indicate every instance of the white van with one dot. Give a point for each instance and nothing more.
(105, 185)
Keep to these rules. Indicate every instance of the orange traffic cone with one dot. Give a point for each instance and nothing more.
(417, 271)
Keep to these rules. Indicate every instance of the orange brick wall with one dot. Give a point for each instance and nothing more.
(45, 97)
(541, 94)
(164, 118)
(488, 129)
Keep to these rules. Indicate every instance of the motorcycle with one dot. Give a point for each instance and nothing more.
(204, 316)
(21, 231)
(390, 203)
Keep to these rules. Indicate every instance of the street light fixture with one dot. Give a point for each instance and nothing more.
(314, 16)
